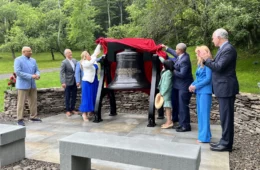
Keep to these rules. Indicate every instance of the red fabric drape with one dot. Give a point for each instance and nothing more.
(141, 45)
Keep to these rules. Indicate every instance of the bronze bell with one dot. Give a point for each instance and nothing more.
(129, 72)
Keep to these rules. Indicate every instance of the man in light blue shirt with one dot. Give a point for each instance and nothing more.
(27, 72)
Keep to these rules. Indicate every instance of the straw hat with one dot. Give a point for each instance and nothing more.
(158, 101)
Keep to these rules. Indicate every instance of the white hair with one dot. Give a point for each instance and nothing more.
(66, 50)
(25, 48)
(222, 33)
(181, 46)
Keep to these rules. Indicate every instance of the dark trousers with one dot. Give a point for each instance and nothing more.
(70, 97)
(181, 109)
(226, 110)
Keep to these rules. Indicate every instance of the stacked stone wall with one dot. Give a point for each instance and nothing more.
(247, 106)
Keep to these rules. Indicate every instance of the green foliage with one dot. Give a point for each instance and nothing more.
(81, 24)
(123, 31)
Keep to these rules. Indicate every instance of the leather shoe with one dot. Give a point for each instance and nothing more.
(214, 144)
(220, 148)
(176, 127)
(182, 129)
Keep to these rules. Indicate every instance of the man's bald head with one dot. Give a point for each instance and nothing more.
(68, 53)
(27, 51)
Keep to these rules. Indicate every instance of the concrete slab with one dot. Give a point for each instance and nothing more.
(145, 152)
(12, 143)
(131, 125)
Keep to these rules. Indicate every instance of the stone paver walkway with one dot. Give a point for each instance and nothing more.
(42, 138)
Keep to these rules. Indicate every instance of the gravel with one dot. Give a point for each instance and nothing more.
(29, 164)
(245, 156)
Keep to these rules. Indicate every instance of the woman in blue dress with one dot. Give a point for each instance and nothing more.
(89, 84)
(202, 86)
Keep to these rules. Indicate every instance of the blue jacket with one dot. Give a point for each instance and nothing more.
(78, 73)
(182, 75)
(24, 68)
(203, 81)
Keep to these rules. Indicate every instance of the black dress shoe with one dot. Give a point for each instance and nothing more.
(182, 129)
(176, 127)
(220, 148)
(214, 144)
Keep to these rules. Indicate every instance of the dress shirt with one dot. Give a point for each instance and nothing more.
(72, 64)
(223, 45)
(179, 57)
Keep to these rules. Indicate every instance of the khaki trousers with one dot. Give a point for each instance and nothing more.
(31, 95)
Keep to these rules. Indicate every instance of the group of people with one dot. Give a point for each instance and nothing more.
(83, 73)
(216, 76)
(176, 86)
(72, 75)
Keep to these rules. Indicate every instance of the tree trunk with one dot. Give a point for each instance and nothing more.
(250, 41)
(204, 23)
(13, 52)
(52, 54)
(108, 13)
(59, 29)
(254, 34)
(121, 12)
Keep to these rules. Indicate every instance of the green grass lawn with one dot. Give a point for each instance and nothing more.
(44, 60)
(47, 80)
(247, 70)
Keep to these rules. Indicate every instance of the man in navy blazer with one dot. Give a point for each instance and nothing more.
(182, 79)
(225, 86)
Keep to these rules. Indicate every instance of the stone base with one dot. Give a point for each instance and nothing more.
(12, 152)
(12, 144)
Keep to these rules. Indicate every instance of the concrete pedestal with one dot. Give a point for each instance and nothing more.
(12, 144)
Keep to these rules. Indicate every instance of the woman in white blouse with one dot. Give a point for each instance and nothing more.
(89, 84)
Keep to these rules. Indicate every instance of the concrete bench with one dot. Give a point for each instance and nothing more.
(77, 150)
(12, 146)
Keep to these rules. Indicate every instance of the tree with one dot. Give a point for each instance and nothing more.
(8, 14)
(81, 23)
(54, 22)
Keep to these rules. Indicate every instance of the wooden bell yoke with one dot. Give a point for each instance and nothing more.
(129, 64)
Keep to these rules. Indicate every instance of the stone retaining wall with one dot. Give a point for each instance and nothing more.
(247, 106)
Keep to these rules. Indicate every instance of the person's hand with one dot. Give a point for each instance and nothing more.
(163, 46)
(78, 84)
(34, 76)
(37, 78)
(63, 85)
(192, 88)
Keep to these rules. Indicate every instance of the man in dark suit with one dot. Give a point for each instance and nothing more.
(225, 86)
(67, 79)
(182, 79)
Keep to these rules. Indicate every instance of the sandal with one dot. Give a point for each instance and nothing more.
(85, 117)
(167, 126)
(68, 114)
